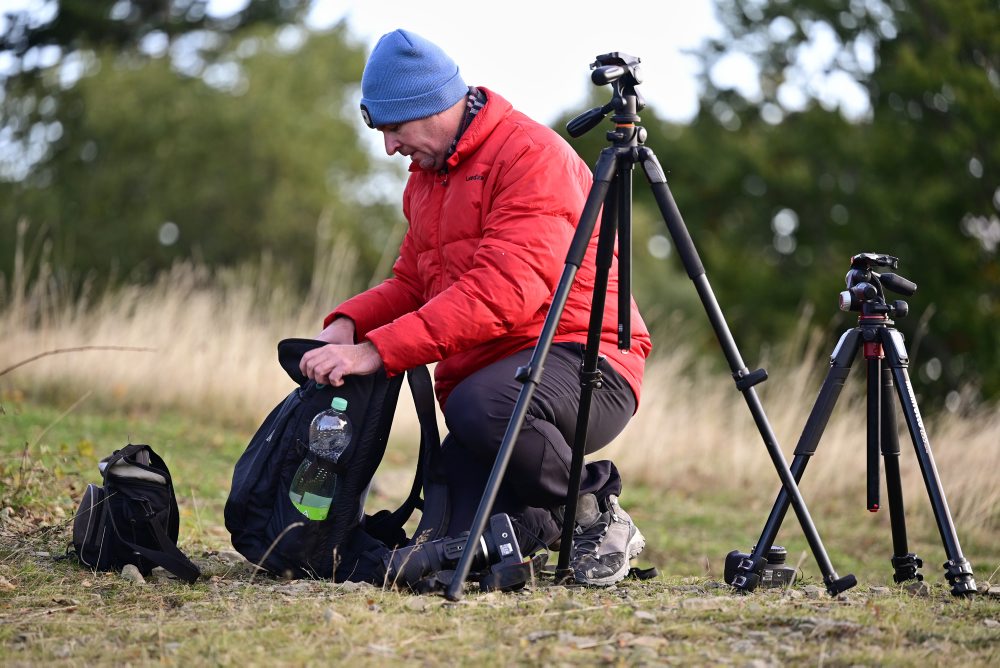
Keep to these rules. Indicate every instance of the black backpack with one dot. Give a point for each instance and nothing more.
(132, 518)
(348, 545)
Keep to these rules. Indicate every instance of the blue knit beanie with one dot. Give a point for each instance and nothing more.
(406, 78)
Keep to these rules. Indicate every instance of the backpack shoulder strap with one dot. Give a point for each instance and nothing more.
(435, 510)
(168, 556)
(429, 475)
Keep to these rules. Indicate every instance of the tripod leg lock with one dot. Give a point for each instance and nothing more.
(593, 379)
(905, 568)
(959, 574)
(745, 380)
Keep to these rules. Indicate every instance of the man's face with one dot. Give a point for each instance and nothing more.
(425, 141)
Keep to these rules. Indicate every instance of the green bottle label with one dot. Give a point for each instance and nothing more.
(312, 506)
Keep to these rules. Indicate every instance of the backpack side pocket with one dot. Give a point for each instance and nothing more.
(90, 529)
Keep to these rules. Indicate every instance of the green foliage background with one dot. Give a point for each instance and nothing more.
(244, 134)
(917, 178)
(246, 140)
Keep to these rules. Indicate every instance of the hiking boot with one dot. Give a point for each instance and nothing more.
(603, 543)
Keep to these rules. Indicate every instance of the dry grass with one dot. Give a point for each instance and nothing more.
(209, 338)
(214, 336)
(694, 431)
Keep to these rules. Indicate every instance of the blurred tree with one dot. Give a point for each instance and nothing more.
(852, 126)
(122, 25)
(219, 145)
(46, 48)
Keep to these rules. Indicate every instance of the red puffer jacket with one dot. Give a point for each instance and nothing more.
(485, 248)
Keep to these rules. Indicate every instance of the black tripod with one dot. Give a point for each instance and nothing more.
(879, 341)
(612, 190)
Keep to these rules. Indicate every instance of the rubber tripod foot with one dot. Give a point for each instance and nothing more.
(838, 585)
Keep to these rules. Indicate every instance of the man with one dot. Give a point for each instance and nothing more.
(492, 201)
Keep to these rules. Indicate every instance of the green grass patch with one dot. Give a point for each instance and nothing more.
(52, 610)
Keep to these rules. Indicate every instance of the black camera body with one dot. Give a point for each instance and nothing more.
(427, 567)
(771, 573)
(776, 572)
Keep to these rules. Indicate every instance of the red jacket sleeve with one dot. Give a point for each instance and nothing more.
(386, 301)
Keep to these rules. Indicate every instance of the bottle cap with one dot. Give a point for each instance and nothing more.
(339, 403)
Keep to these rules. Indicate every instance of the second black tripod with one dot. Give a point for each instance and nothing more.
(887, 362)
(612, 191)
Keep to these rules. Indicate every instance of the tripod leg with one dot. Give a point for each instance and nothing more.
(743, 571)
(530, 375)
(957, 569)
(745, 379)
(874, 368)
(625, 258)
(590, 376)
(905, 564)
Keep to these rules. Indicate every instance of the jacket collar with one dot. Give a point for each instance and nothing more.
(493, 112)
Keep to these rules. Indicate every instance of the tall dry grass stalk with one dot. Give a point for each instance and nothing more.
(694, 431)
(215, 338)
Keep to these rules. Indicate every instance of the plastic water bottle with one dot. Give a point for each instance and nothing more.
(330, 432)
(316, 480)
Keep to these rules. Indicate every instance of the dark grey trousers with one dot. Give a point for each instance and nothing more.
(477, 415)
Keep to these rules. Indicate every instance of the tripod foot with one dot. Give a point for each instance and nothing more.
(905, 568)
(835, 585)
(959, 574)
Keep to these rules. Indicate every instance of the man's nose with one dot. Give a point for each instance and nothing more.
(391, 143)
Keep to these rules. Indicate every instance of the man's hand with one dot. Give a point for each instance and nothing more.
(340, 332)
(328, 365)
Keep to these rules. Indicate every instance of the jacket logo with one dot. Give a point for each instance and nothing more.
(475, 177)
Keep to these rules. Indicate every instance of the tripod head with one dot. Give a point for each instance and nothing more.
(622, 72)
(866, 289)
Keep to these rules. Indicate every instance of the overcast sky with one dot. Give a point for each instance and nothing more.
(538, 53)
